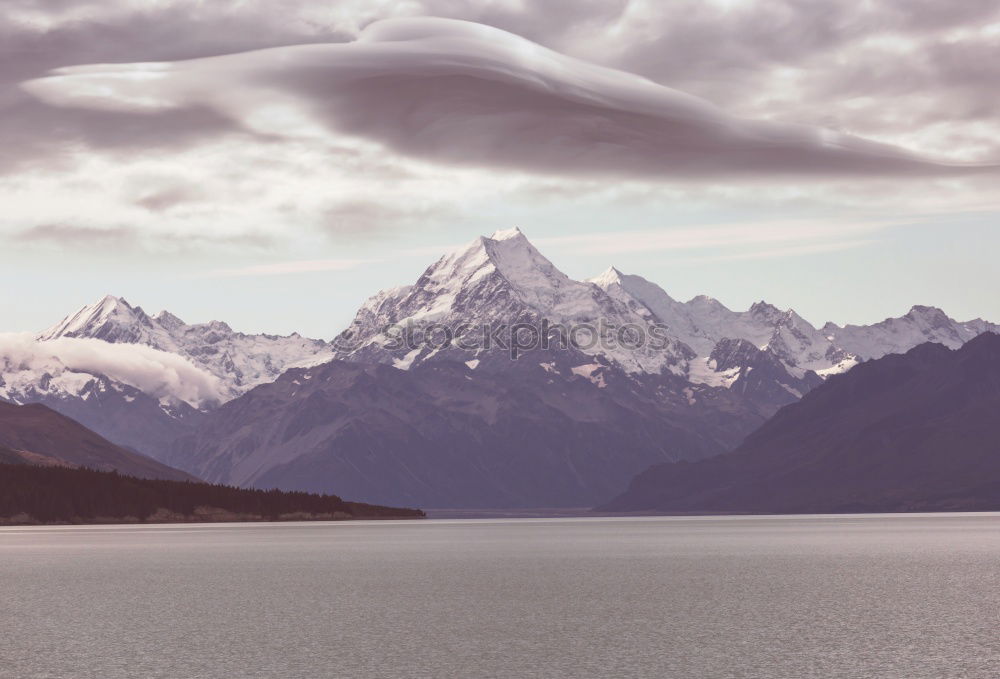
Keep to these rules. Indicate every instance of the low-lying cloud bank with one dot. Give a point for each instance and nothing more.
(157, 373)
(459, 92)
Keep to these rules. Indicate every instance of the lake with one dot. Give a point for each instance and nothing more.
(901, 596)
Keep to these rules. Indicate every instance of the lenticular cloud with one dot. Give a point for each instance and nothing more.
(458, 92)
(157, 373)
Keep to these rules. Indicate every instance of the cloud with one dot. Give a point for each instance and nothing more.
(156, 373)
(68, 234)
(467, 94)
(163, 199)
(227, 196)
(808, 61)
(318, 161)
(362, 216)
(425, 135)
(39, 34)
(36, 136)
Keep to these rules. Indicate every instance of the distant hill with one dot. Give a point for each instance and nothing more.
(36, 434)
(33, 494)
(911, 432)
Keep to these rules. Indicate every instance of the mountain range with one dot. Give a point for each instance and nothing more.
(906, 432)
(143, 380)
(503, 279)
(239, 361)
(418, 402)
(442, 434)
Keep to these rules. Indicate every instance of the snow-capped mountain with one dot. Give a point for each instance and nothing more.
(142, 380)
(501, 282)
(418, 409)
(703, 322)
(700, 374)
(132, 394)
(239, 361)
(504, 280)
(491, 286)
(789, 355)
(899, 335)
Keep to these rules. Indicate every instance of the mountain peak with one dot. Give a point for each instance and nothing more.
(704, 301)
(771, 314)
(97, 319)
(167, 319)
(508, 234)
(508, 253)
(493, 282)
(533, 276)
(109, 304)
(239, 360)
(921, 311)
(474, 271)
(924, 309)
(607, 278)
(111, 300)
(930, 317)
(218, 326)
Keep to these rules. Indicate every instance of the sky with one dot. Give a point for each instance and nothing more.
(274, 163)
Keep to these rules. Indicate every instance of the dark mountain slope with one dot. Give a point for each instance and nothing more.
(39, 435)
(917, 431)
(443, 435)
(125, 415)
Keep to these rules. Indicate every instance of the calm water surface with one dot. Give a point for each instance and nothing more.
(862, 596)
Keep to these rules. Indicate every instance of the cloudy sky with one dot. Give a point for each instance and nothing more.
(272, 163)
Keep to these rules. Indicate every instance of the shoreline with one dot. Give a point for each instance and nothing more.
(28, 521)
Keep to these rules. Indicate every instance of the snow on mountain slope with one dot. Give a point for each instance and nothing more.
(239, 361)
(471, 295)
(110, 319)
(132, 394)
(637, 291)
(503, 279)
(703, 322)
(67, 367)
(899, 335)
(141, 380)
(495, 284)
